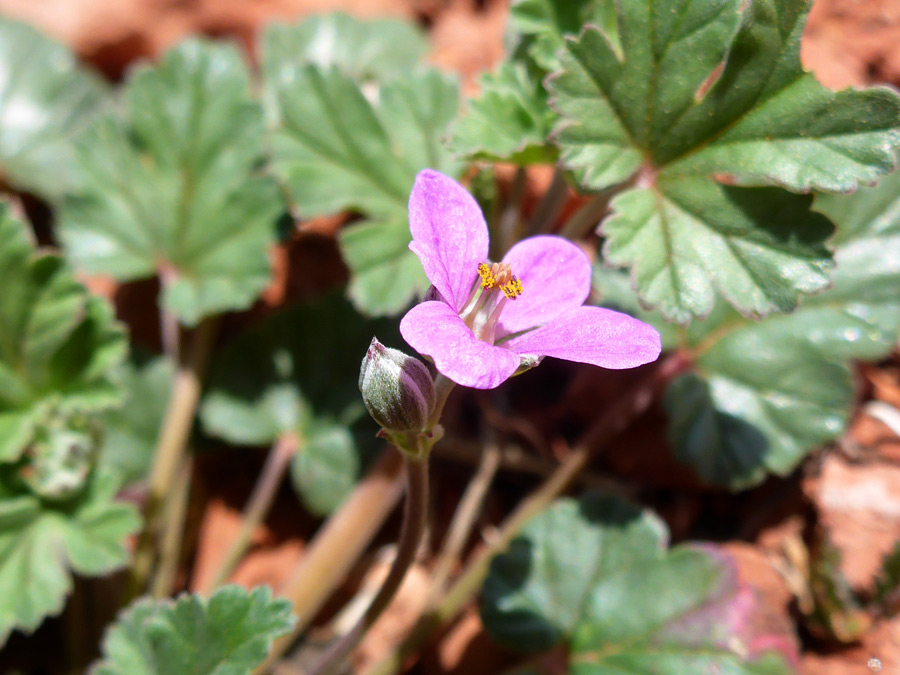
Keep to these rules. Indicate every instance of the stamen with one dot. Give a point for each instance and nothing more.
(512, 289)
(487, 276)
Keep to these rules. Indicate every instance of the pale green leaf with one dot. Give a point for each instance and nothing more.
(46, 98)
(42, 544)
(227, 634)
(130, 433)
(510, 120)
(59, 345)
(174, 188)
(339, 147)
(368, 50)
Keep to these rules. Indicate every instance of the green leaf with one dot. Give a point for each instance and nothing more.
(367, 50)
(335, 150)
(535, 594)
(227, 634)
(174, 188)
(41, 544)
(297, 373)
(47, 98)
(130, 432)
(767, 393)
(510, 120)
(547, 23)
(705, 95)
(594, 573)
(59, 346)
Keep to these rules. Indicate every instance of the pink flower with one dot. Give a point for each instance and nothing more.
(489, 319)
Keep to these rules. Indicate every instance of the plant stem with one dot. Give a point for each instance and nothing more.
(511, 215)
(173, 437)
(586, 219)
(338, 545)
(257, 506)
(415, 515)
(463, 521)
(615, 419)
(550, 205)
(170, 547)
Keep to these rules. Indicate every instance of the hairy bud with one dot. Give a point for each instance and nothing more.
(397, 389)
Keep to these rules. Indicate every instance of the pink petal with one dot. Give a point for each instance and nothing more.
(555, 276)
(593, 335)
(435, 330)
(449, 234)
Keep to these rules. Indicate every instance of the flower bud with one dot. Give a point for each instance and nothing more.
(397, 389)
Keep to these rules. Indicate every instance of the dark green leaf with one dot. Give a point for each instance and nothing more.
(173, 188)
(47, 98)
(769, 392)
(59, 345)
(594, 573)
(41, 544)
(335, 150)
(227, 634)
(706, 94)
(297, 373)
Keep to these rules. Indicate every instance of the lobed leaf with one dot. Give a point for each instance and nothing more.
(59, 345)
(172, 187)
(46, 99)
(297, 373)
(700, 96)
(594, 573)
(41, 544)
(227, 634)
(337, 146)
(766, 393)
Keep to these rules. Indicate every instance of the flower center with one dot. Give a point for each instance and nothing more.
(482, 311)
(500, 275)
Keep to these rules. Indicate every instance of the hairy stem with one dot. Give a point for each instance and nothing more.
(170, 446)
(414, 519)
(463, 521)
(338, 545)
(170, 546)
(257, 507)
(615, 419)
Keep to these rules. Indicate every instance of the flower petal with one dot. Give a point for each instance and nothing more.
(555, 276)
(448, 234)
(435, 330)
(593, 335)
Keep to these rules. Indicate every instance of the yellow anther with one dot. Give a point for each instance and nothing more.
(487, 276)
(512, 289)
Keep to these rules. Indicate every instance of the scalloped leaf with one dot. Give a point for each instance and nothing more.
(767, 393)
(367, 50)
(46, 98)
(59, 346)
(704, 95)
(173, 187)
(228, 634)
(297, 373)
(337, 147)
(42, 543)
(595, 573)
